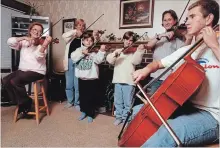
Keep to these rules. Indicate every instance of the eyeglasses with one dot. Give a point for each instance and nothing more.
(35, 30)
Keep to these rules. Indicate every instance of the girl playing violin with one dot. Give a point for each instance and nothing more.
(87, 71)
(122, 78)
(32, 65)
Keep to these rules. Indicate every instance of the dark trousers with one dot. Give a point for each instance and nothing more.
(87, 96)
(15, 82)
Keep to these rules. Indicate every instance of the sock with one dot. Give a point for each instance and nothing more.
(82, 116)
(90, 119)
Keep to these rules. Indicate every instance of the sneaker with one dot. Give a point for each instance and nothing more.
(77, 107)
(117, 122)
(82, 116)
(90, 119)
(68, 105)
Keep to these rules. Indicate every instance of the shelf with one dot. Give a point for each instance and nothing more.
(118, 42)
(20, 29)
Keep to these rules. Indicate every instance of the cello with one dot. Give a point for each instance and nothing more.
(186, 80)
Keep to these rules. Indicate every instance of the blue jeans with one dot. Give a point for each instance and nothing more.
(122, 99)
(194, 127)
(155, 86)
(72, 88)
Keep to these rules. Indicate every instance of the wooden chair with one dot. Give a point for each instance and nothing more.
(38, 108)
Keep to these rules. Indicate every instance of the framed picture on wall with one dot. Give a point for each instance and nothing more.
(68, 24)
(136, 14)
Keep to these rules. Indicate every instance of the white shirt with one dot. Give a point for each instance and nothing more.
(31, 59)
(87, 68)
(208, 96)
(124, 65)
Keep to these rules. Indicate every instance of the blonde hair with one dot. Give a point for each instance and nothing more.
(32, 25)
(78, 21)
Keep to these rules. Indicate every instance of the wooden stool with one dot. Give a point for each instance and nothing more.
(36, 101)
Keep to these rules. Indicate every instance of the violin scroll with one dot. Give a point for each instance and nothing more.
(177, 28)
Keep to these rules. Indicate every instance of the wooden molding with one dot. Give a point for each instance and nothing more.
(16, 5)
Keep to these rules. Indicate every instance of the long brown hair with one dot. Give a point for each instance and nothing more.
(129, 34)
(32, 25)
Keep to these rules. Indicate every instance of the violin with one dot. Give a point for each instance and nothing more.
(41, 40)
(179, 31)
(130, 50)
(177, 28)
(96, 48)
(54, 41)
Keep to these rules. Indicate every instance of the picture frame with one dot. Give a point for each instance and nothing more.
(136, 14)
(68, 24)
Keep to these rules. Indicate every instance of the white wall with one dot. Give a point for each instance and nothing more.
(90, 10)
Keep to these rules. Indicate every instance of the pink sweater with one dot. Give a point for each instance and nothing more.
(31, 59)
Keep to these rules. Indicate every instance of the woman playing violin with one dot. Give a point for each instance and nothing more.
(73, 41)
(164, 44)
(124, 65)
(196, 124)
(32, 65)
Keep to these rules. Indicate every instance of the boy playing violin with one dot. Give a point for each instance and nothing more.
(198, 124)
(87, 71)
(124, 65)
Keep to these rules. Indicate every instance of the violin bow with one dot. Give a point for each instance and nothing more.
(174, 27)
(183, 12)
(94, 22)
(91, 24)
(51, 26)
